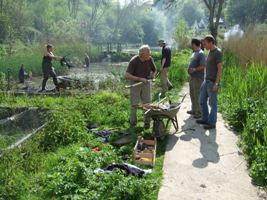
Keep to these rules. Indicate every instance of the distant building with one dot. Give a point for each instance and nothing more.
(222, 25)
(202, 26)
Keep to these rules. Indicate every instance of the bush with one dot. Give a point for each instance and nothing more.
(3, 82)
(259, 165)
(63, 128)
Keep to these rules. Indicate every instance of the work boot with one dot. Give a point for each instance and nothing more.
(209, 126)
(190, 112)
(201, 121)
(197, 115)
(41, 90)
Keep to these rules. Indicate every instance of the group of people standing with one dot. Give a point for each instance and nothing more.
(205, 75)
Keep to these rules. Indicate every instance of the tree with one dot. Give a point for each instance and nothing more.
(192, 11)
(246, 12)
(215, 10)
(181, 34)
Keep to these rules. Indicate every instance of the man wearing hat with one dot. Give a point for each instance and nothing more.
(164, 67)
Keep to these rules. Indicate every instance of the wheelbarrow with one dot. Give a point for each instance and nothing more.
(67, 82)
(161, 113)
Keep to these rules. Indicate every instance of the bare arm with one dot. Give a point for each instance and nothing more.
(197, 69)
(200, 68)
(51, 55)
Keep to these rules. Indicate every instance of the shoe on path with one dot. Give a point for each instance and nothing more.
(209, 126)
(197, 116)
(190, 112)
(201, 121)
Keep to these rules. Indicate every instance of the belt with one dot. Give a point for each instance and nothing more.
(208, 79)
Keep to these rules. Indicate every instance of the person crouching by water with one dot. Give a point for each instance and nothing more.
(87, 60)
(22, 74)
(47, 67)
(141, 68)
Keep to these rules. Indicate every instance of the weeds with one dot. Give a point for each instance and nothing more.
(243, 102)
(58, 163)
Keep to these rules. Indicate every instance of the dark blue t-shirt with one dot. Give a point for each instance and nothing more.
(166, 53)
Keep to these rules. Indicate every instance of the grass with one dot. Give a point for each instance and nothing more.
(243, 98)
(58, 162)
(7, 140)
(243, 103)
(251, 48)
(32, 58)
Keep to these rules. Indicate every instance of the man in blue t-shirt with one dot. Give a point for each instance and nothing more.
(196, 72)
(164, 67)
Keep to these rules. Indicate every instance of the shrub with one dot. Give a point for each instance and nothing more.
(63, 128)
(3, 82)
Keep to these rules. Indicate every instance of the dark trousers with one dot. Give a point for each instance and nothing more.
(47, 73)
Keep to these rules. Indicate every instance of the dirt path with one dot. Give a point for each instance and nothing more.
(204, 165)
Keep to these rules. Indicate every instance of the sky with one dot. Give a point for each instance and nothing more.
(122, 2)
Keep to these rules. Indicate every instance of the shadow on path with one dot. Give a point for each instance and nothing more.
(172, 140)
(207, 139)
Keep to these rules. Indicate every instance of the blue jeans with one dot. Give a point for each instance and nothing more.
(206, 94)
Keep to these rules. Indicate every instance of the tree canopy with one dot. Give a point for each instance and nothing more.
(246, 12)
(92, 21)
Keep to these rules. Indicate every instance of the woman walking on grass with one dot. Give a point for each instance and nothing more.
(47, 67)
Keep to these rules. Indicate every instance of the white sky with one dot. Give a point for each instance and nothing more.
(122, 2)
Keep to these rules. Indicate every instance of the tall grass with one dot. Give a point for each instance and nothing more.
(32, 57)
(243, 101)
(251, 47)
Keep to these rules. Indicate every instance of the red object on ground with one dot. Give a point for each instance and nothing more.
(96, 149)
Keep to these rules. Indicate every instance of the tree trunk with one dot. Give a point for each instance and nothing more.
(215, 9)
(218, 16)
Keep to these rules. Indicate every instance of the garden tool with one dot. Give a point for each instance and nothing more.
(150, 79)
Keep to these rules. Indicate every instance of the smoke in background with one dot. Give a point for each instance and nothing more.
(168, 15)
